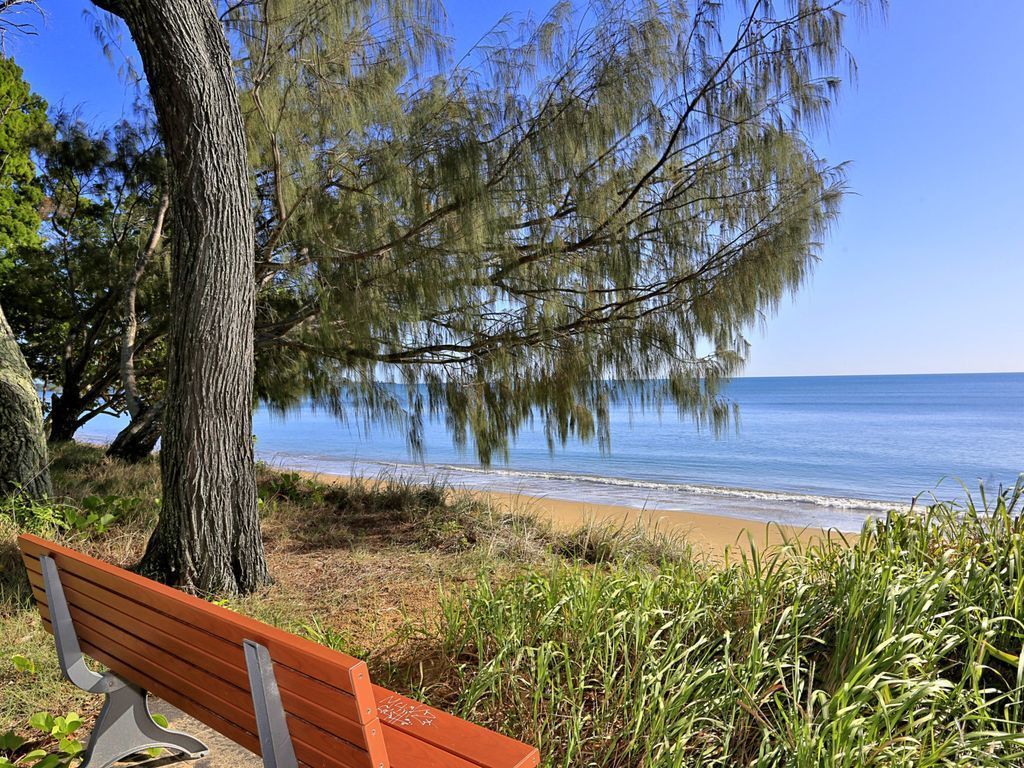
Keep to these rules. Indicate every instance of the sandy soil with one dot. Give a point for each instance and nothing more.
(711, 534)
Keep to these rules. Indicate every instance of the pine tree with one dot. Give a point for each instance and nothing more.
(613, 194)
(65, 294)
(23, 456)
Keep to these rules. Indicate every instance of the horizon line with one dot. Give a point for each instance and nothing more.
(851, 375)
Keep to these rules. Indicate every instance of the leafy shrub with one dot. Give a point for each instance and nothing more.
(288, 485)
(57, 746)
(32, 515)
(92, 516)
(605, 542)
(98, 513)
(14, 750)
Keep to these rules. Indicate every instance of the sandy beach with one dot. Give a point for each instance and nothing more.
(709, 534)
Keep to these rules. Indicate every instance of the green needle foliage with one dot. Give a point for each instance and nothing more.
(904, 649)
(22, 124)
(614, 193)
(23, 464)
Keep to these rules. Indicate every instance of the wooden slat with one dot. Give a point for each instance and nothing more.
(298, 691)
(471, 744)
(238, 735)
(190, 653)
(232, 702)
(312, 745)
(407, 751)
(373, 734)
(298, 653)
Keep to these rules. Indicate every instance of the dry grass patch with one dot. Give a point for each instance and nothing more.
(360, 567)
(370, 566)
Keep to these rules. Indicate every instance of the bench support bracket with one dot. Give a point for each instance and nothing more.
(275, 741)
(125, 726)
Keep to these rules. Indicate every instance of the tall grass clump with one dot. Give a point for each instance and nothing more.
(902, 649)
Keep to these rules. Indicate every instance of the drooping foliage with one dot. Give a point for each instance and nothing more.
(611, 194)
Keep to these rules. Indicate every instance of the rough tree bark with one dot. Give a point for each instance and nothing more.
(64, 411)
(23, 460)
(136, 441)
(208, 537)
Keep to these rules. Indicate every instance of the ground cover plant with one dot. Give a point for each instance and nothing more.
(904, 649)
(604, 646)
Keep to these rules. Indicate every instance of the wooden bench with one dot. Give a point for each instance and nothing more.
(286, 698)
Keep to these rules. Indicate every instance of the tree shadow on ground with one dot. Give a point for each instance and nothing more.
(386, 512)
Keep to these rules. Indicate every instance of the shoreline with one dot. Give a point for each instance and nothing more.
(709, 534)
(791, 503)
(793, 510)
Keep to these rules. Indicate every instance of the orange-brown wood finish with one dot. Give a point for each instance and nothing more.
(189, 653)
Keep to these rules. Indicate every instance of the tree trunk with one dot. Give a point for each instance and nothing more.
(208, 537)
(133, 399)
(23, 460)
(136, 441)
(65, 409)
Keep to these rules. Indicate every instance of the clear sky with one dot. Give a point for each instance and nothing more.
(924, 271)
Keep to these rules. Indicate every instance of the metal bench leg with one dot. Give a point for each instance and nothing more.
(275, 741)
(125, 726)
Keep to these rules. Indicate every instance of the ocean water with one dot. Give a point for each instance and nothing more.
(818, 451)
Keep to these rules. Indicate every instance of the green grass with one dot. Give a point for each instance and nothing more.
(372, 531)
(21, 632)
(388, 510)
(86, 485)
(904, 649)
(610, 647)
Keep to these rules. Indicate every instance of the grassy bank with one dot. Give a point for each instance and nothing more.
(391, 547)
(607, 648)
(904, 650)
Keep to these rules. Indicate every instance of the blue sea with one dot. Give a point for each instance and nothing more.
(809, 451)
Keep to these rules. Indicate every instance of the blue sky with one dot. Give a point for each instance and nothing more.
(923, 273)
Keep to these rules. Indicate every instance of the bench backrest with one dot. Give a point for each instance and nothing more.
(190, 653)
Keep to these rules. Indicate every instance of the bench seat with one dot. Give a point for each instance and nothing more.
(418, 736)
(193, 655)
